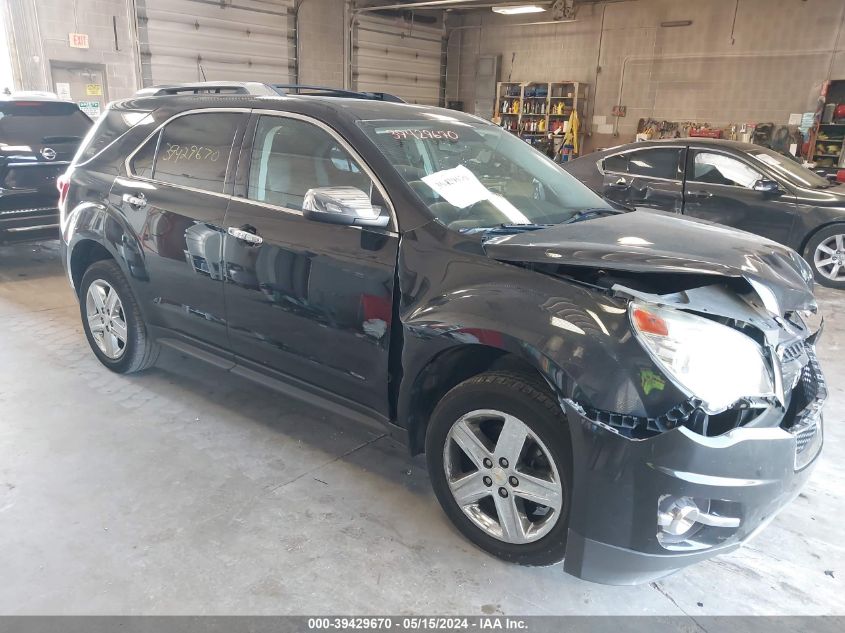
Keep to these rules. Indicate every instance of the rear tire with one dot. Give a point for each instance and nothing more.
(112, 320)
(521, 457)
(825, 252)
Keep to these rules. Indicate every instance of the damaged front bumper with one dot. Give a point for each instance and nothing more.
(634, 498)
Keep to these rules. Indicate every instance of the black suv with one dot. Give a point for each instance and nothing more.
(39, 136)
(629, 391)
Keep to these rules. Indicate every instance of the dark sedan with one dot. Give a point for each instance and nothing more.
(738, 184)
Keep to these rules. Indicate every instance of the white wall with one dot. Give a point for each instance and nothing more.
(772, 64)
(40, 31)
(7, 78)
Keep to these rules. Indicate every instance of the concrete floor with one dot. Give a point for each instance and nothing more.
(186, 490)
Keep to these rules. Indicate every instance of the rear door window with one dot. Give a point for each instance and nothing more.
(658, 162)
(42, 123)
(193, 151)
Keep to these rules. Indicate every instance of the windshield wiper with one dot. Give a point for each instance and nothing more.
(507, 229)
(587, 214)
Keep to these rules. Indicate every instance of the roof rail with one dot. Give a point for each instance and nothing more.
(322, 91)
(208, 87)
(260, 89)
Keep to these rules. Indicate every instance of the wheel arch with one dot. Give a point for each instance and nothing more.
(446, 369)
(805, 242)
(84, 253)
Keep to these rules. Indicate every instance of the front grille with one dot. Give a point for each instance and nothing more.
(806, 426)
(792, 351)
(804, 437)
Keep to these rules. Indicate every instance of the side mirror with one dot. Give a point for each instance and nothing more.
(342, 205)
(766, 186)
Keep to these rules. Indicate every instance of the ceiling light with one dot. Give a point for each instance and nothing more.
(516, 9)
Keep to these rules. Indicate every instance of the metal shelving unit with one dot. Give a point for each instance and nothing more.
(535, 111)
(823, 135)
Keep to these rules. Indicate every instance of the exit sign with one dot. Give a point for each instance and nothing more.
(78, 40)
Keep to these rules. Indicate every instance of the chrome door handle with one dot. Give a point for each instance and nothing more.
(135, 201)
(246, 236)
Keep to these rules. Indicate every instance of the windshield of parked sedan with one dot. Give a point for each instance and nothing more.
(477, 176)
(789, 169)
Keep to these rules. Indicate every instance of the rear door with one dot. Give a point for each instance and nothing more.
(650, 177)
(309, 300)
(720, 187)
(175, 196)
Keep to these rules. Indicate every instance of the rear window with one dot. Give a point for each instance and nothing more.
(649, 163)
(39, 122)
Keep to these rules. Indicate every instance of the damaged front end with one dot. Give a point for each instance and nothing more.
(696, 414)
(654, 494)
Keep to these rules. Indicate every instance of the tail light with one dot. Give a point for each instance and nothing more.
(63, 185)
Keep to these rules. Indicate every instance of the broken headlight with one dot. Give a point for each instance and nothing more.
(708, 360)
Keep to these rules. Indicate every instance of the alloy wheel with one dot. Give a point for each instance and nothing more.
(502, 476)
(106, 318)
(829, 258)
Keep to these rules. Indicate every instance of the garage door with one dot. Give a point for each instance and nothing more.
(216, 40)
(401, 57)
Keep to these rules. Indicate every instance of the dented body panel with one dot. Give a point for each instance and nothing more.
(651, 242)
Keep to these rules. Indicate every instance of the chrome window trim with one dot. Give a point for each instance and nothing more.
(604, 172)
(352, 152)
(278, 113)
(729, 155)
(127, 162)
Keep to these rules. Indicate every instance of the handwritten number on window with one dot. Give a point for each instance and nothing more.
(176, 153)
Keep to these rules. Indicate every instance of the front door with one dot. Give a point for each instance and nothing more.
(720, 188)
(175, 195)
(650, 178)
(307, 299)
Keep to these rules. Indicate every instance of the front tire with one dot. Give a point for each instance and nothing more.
(112, 320)
(825, 252)
(499, 459)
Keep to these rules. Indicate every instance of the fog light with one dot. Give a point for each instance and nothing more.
(677, 515)
(681, 518)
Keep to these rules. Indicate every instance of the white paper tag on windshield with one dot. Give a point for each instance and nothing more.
(459, 186)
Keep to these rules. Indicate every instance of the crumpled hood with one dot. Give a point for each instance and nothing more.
(643, 241)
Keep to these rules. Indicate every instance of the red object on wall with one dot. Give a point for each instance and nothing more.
(705, 132)
(839, 113)
(840, 175)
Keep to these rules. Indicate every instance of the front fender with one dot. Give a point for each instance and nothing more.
(577, 337)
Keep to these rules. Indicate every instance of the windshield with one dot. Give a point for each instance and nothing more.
(789, 169)
(41, 122)
(476, 176)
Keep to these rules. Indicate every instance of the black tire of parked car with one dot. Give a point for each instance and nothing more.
(140, 352)
(530, 400)
(809, 251)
